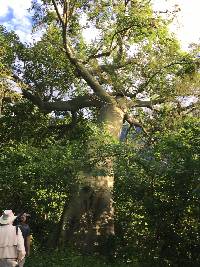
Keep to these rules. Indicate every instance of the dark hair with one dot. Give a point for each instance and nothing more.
(18, 219)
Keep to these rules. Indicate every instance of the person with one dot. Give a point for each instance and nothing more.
(12, 249)
(21, 222)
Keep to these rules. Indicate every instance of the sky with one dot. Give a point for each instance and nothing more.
(186, 26)
(14, 15)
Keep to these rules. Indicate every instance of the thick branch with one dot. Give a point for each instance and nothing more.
(80, 68)
(120, 65)
(75, 104)
(187, 109)
(57, 12)
(88, 77)
(100, 54)
(133, 122)
(144, 103)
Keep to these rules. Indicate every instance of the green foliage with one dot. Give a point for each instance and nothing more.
(125, 31)
(9, 45)
(56, 258)
(39, 165)
(42, 154)
(16, 124)
(158, 211)
(36, 180)
(43, 67)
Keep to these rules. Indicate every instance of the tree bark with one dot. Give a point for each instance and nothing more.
(2, 96)
(89, 219)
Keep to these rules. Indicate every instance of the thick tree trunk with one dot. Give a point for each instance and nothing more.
(89, 219)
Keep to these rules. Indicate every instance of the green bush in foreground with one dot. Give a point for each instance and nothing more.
(56, 258)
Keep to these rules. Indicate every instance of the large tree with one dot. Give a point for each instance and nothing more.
(128, 66)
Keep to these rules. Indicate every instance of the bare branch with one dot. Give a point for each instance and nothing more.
(73, 105)
(100, 54)
(88, 77)
(57, 12)
(107, 67)
(144, 103)
(81, 70)
(103, 54)
(134, 122)
(188, 109)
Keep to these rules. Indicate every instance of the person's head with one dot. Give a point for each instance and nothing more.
(7, 217)
(23, 217)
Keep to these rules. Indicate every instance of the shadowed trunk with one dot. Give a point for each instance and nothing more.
(88, 221)
(2, 96)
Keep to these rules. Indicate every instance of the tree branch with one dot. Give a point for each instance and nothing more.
(133, 122)
(57, 12)
(73, 105)
(144, 103)
(80, 68)
(107, 67)
(88, 77)
(145, 84)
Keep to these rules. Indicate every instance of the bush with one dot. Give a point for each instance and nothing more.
(64, 258)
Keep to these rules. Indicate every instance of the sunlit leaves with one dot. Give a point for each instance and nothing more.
(9, 48)
(49, 73)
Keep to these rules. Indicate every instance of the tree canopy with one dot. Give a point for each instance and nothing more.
(132, 55)
(99, 129)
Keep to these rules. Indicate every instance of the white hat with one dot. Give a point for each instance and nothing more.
(7, 217)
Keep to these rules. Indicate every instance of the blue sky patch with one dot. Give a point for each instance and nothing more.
(9, 16)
